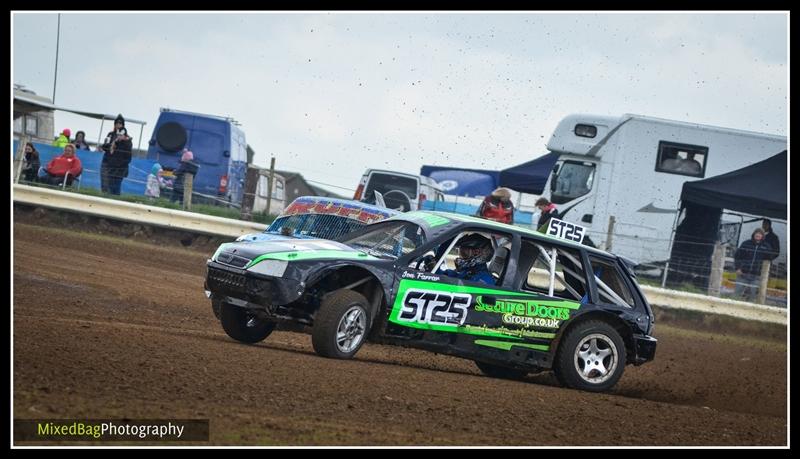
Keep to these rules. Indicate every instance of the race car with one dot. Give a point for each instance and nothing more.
(548, 303)
(316, 217)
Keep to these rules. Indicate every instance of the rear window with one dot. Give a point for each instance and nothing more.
(384, 183)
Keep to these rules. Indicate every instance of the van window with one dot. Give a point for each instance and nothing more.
(681, 159)
(574, 179)
(384, 183)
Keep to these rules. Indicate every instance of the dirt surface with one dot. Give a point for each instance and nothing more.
(106, 327)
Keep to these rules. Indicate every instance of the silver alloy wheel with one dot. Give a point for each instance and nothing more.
(351, 329)
(596, 358)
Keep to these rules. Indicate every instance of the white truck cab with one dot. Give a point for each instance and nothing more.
(633, 167)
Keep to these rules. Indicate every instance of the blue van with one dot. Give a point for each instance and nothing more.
(219, 149)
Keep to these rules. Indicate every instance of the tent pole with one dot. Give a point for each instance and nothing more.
(100, 136)
(671, 242)
(141, 132)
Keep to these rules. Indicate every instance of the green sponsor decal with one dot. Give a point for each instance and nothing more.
(444, 307)
(558, 310)
(506, 346)
(504, 332)
(312, 255)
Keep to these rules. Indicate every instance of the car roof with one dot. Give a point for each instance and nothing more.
(435, 222)
(335, 206)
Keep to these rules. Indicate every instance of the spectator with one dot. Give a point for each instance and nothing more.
(155, 182)
(62, 140)
(187, 166)
(498, 207)
(548, 211)
(66, 165)
(747, 260)
(30, 164)
(670, 160)
(771, 238)
(80, 141)
(689, 165)
(114, 167)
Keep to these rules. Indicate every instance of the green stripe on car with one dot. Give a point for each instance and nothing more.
(312, 255)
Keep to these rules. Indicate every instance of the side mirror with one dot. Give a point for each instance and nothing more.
(554, 178)
(226, 154)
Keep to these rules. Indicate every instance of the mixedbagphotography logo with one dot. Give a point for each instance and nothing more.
(110, 430)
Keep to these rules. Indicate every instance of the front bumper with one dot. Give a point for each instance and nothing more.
(645, 348)
(265, 291)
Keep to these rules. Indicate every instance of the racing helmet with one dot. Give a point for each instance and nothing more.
(473, 250)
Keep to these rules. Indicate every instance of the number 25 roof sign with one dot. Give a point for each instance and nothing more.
(566, 230)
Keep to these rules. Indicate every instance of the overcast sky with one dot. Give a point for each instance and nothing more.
(331, 94)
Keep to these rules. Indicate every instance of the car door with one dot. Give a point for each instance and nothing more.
(487, 317)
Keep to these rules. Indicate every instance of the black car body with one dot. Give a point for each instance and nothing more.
(555, 304)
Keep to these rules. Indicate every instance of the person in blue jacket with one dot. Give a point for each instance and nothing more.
(474, 252)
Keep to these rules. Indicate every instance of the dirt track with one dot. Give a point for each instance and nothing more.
(109, 328)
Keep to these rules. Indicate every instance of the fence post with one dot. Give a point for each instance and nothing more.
(763, 282)
(188, 180)
(717, 268)
(249, 196)
(270, 184)
(611, 221)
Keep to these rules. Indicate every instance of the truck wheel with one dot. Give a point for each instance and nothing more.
(340, 325)
(496, 371)
(244, 326)
(591, 357)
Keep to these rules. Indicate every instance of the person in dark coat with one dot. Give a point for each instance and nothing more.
(114, 167)
(747, 260)
(80, 141)
(771, 238)
(187, 166)
(548, 211)
(31, 165)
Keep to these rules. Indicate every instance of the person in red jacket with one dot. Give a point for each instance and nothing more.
(498, 207)
(66, 165)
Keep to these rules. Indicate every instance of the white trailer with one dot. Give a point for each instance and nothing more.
(628, 171)
(278, 201)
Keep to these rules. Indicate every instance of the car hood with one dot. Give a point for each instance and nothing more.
(260, 237)
(290, 250)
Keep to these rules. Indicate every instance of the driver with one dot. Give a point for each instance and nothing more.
(474, 251)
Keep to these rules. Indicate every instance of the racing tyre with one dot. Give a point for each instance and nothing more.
(340, 325)
(496, 371)
(244, 326)
(591, 357)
